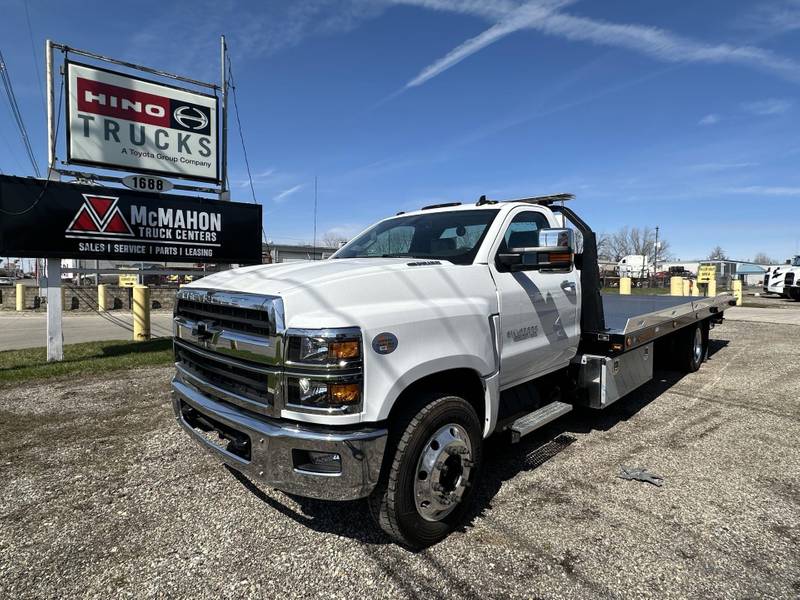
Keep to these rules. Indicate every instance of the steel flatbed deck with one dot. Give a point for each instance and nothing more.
(633, 321)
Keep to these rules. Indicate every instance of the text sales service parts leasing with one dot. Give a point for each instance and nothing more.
(122, 122)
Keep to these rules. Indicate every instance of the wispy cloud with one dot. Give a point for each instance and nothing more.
(281, 197)
(657, 43)
(258, 178)
(770, 106)
(766, 190)
(710, 119)
(520, 18)
(718, 166)
(773, 17)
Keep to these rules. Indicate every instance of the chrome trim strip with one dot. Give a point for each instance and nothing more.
(214, 390)
(327, 332)
(264, 370)
(237, 344)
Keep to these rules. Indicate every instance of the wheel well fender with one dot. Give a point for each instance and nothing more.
(464, 382)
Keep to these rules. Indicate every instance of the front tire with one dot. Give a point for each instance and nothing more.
(429, 482)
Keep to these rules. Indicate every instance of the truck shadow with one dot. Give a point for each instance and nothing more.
(502, 462)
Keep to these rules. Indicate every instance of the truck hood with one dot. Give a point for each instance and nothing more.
(282, 278)
(362, 291)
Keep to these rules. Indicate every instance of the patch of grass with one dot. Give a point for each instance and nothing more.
(89, 357)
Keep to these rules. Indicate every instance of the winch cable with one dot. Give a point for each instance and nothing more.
(232, 86)
(17, 114)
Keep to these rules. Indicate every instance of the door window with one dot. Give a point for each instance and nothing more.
(523, 231)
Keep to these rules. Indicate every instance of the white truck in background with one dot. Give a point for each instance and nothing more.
(379, 372)
(635, 266)
(781, 279)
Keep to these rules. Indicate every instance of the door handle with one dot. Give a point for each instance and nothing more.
(568, 287)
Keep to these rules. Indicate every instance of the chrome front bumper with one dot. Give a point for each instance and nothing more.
(274, 447)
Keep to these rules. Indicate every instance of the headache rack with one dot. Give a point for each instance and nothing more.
(540, 200)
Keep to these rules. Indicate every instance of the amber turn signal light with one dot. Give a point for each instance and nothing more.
(344, 350)
(344, 393)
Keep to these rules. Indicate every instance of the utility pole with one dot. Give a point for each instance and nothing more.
(314, 247)
(655, 257)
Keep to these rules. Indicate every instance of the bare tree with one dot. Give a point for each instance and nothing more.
(332, 239)
(632, 240)
(763, 259)
(718, 254)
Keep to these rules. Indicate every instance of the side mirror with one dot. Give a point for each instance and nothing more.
(555, 252)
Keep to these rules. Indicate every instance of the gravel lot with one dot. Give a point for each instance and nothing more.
(104, 496)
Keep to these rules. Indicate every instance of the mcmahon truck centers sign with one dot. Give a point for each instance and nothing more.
(118, 121)
(63, 220)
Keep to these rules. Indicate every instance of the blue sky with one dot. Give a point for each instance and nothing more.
(684, 115)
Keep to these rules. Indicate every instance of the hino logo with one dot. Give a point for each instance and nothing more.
(190, 117)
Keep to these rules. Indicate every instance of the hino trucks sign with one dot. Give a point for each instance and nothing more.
(118, 121)
(63, 220)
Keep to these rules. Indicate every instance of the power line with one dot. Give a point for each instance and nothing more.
(241, 136)
(33, 52)
(46, 181)
(12, 100)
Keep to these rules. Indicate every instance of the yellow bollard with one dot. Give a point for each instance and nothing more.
(676, 286)
(686, 288)
(20, 297)
(141, 313)
(712, 288)
(625, 286)
(737, 291)
(101, 297)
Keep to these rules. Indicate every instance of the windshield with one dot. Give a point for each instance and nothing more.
(452, 235)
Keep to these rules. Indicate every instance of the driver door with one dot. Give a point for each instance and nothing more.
(539, 310)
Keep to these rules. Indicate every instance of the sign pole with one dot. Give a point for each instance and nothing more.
(55, 337)
(55, 334)
(224, 193)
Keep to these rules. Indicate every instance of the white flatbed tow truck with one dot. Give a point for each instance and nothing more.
(379, 373)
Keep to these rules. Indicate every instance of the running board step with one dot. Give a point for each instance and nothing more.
(538, 418)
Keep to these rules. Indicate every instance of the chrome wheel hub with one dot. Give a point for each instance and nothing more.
(697, 346)
(443, 472)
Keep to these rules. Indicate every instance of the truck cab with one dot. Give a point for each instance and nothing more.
(380, 371)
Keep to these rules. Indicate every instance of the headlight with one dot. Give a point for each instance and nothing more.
(326, 347)
(324, 370)
(339, 396)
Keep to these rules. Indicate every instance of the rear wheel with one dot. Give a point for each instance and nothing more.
(692, 347)
(428, 485)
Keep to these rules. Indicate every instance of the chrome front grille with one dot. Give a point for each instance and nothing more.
(230, 346)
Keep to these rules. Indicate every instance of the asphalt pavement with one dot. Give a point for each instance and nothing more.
(29, 329)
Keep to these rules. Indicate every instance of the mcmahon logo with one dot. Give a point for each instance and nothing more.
(100, 216)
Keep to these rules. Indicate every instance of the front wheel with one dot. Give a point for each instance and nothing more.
(429, 483)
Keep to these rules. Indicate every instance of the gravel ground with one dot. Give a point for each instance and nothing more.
(103, 496)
